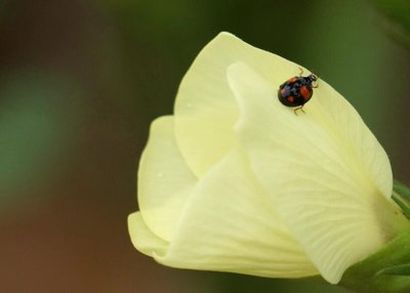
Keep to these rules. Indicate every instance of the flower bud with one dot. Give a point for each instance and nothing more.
(234, 181)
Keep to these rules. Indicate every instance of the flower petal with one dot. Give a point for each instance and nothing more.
(164, 180)
(231, 225)
(205, 108)
(324, 167)
(142, 237)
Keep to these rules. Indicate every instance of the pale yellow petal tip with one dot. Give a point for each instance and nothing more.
(142, 238)
(166, 121)
(224, 40)
(225, 35)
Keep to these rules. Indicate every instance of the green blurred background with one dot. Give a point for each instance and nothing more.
(80, 81)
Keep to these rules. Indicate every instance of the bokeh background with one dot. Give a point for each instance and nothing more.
(80, 81)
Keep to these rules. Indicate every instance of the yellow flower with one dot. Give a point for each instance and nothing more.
(236, 182)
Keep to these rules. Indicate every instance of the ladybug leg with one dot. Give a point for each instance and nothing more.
(301, 71)
(298, 108)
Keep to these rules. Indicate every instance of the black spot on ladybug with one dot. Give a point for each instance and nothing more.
(297, 91)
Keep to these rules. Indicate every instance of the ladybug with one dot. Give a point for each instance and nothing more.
(297, 91)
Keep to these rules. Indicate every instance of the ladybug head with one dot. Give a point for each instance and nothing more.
(313, 77)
